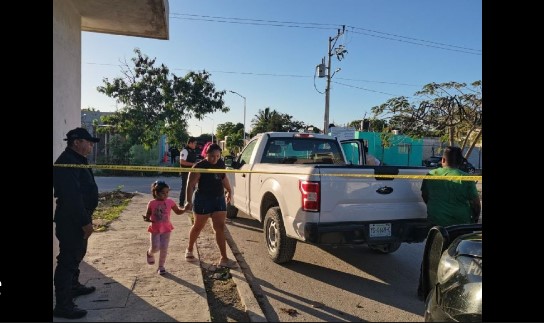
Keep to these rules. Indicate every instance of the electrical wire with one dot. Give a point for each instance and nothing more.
(314, 25)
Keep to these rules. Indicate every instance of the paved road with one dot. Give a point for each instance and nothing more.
(138, 184)
(330, 284)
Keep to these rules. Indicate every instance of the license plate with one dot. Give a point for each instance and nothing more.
(380, 230)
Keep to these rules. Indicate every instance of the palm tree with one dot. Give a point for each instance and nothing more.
(265, 120)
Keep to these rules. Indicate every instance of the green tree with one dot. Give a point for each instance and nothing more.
(235, 133)
(448, 109)
(262, 121)
(118, 151)
(375, 125)
(271, 120)
(157, 102)
(312, 129)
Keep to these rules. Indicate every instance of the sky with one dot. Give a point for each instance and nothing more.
(267, 51)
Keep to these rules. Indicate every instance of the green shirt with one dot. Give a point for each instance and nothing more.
(449, 200)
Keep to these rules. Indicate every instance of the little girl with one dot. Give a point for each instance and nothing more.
(158, 213)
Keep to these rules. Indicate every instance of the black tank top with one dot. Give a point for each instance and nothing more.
(211, 183)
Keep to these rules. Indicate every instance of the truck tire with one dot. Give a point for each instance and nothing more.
(280, 247)
(386, 247)
(232, 211)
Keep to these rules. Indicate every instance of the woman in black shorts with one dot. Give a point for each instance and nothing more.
(210, 200)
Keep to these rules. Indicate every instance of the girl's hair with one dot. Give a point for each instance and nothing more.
(157, 186)
(212, 148)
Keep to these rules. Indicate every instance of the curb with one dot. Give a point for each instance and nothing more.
(253, 309)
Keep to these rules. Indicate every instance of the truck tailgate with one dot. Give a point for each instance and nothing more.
(345, 198)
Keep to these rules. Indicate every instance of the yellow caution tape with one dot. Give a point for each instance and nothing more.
(204, 170)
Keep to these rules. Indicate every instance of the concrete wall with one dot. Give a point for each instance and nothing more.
(66, 81)
(404, 151)
(66, 72)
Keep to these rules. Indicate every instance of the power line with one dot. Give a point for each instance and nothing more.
(268, 74)
(381, 82)
(420, 40)
(414, 43)
(260, 20)
(251, 23)
(369, 90)
(315, 25)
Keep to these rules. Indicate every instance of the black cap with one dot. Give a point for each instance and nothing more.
(80, 133)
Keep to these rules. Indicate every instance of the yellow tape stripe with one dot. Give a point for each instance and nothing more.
(203, 170)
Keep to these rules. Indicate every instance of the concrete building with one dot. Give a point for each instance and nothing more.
(403, 150)
(141, 18)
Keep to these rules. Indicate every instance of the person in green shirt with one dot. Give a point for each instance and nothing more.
(450, 202)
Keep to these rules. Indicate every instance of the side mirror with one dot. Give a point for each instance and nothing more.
(228, 161)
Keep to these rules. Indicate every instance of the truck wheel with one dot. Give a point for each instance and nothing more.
(386, 247)
(280, 247)
(232, 211)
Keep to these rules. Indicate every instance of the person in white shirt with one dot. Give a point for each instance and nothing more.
(370, 159)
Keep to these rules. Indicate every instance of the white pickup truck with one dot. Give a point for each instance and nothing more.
(301, 188)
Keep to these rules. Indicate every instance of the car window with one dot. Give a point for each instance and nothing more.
(246, 153)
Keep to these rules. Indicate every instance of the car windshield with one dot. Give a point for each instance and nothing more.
(302, 151)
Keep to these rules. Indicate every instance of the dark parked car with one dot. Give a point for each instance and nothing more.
(467, 167)
(433, 161)
(451, 280)
(436, 161)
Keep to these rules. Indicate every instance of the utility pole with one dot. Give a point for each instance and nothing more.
(339, 54)
(328, 89)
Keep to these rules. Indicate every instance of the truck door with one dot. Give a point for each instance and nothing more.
(240, 186)
(354, 151)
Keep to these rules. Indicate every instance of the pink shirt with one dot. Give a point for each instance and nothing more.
(160, 215)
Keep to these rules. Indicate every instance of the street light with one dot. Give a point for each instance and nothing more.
(244, 113)
(212, 125)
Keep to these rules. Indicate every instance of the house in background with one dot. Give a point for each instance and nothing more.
(402, 150)
(433, 147)
(90, 120)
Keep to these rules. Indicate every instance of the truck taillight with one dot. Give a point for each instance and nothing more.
(303, 135)
(310, 195)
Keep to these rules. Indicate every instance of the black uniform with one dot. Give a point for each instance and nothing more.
(174, 152)
(77, 197)
(191, 157)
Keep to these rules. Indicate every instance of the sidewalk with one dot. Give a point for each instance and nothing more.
(130, 290)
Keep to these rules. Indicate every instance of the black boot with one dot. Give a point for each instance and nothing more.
(80, 289)
(69, 310)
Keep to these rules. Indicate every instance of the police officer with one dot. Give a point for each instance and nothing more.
(77, 197)
(187, 158)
